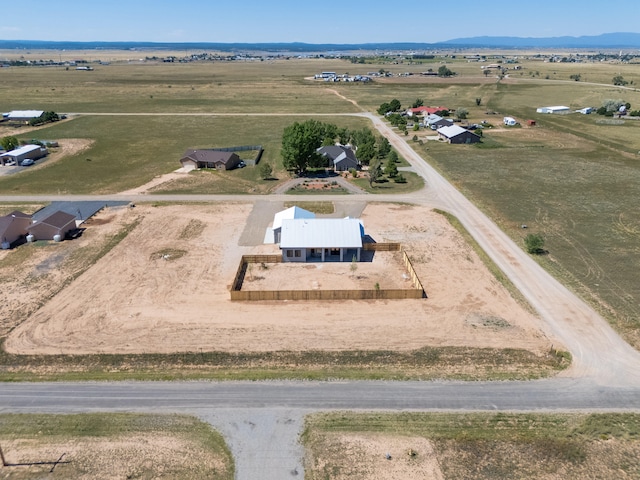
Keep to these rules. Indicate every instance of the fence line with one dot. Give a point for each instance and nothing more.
(244, 148)
(237, 294)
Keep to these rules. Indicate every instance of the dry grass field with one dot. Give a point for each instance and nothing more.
(343, 445)
(108, 446)
(135, 301)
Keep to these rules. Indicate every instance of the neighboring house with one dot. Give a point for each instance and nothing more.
(13, 227)
(341, 158)
(555, 109)
(434, 121)
(53, 227)
(323, 239)
(288, 214)
(509, 121)
(207, 158)
(457, 135)
(32, 152)
(24, 115)
(425, 110)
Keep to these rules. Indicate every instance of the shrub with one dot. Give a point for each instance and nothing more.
(534, 243)
(400, 179)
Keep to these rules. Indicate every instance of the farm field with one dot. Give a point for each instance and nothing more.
(106, 446)
(343, 445)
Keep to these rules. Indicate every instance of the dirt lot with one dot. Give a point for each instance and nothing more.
(164, 288)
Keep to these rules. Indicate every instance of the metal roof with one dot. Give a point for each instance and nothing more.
(80, 210)
(322, 233)
(451, 131)
(25, 114)
(22, 150)
(291, 213)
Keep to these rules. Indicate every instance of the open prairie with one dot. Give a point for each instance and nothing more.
(572, 178)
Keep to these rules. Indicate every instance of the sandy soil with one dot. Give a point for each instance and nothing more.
(383, 457)
(133, 300)
(134, 456)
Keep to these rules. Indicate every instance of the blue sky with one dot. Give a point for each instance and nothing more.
(324, 21)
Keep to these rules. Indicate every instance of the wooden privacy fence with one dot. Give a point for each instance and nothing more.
(237, 294)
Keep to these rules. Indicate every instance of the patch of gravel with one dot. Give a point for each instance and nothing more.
(265, 443)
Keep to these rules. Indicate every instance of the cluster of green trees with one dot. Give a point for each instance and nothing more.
(46, 117)
(385, 164)
(611, 106)
(392, 106)
(300, 142)
(619, 80)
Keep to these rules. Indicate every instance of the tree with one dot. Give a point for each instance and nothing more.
(534, 243)
(575, 76)
(375, 171)
(299, 144)
(354, 265)
(265, 170)
(384, 108)
(395, 105)
(619, 80)
(365, 141)
(9, 143)
(393, 156)
(390, 168)
(611, 105)
(417, 103)
(344, 135)
(443, 71)
(384, 147)
(478, 101)
(462, 113)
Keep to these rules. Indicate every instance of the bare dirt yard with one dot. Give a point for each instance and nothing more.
(165, 288)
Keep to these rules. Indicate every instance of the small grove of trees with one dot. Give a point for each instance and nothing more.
(462, 113)
(534, 243)
(392, 106)
(46, 117)
(417, 103)
(619, 80)
(299, 144)
(575, 76)
(9, 143)
(610, 106)
(443, 71)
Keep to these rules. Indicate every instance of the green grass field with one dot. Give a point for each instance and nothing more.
(480, 445)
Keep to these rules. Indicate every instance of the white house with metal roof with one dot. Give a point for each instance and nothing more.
(273, 233)
(322, 239)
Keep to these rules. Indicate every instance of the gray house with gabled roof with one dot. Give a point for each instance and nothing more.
(340, 158)
(207, 158)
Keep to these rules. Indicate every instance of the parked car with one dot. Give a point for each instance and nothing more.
(26, 162)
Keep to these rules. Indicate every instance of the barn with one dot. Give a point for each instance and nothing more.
(457, 135)
(24, 115)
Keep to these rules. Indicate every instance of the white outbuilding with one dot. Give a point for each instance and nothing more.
(554, 109)
(510, 121)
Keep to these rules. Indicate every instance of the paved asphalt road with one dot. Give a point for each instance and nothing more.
(262, 419)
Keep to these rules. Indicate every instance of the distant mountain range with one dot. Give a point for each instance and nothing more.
(604, 41)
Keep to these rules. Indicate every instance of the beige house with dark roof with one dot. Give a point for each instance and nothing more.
(13, 227)
(207, 158)
(53, 227)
